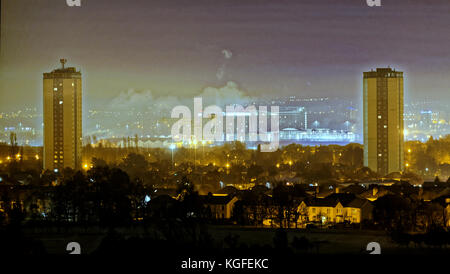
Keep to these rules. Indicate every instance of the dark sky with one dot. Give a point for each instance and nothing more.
(179, 47)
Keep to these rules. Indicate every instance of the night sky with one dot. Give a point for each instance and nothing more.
(179, 47)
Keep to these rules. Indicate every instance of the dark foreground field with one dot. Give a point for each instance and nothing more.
(205, 239)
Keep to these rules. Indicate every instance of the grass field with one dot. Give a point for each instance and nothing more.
(322, 241)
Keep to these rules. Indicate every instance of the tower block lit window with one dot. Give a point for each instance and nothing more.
(383, 120)
(62, 118)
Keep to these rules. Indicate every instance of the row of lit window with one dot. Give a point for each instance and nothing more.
(60, 84)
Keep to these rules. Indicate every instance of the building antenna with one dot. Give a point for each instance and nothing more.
(63, 61)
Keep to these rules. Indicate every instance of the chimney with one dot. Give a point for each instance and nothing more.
(374, 191)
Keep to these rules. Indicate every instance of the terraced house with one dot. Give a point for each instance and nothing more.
(336, 208)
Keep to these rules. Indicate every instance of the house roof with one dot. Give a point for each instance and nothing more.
(357, 203)
(443, 200)
(380, 193)
(216, 199)
(354, 188)
(345, 199)
(322, 202)
(432, 194)
(228, 190)
(332, 200)
(164, 191)
(163, 199)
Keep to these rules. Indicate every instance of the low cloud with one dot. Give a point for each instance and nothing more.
(132, 107)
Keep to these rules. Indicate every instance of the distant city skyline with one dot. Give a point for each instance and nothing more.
(330, 113)
(171, 50)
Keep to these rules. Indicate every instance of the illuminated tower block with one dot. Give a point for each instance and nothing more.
(62, 118)
(383, 120)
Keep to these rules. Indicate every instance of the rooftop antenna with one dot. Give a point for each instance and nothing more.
(63, 61)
